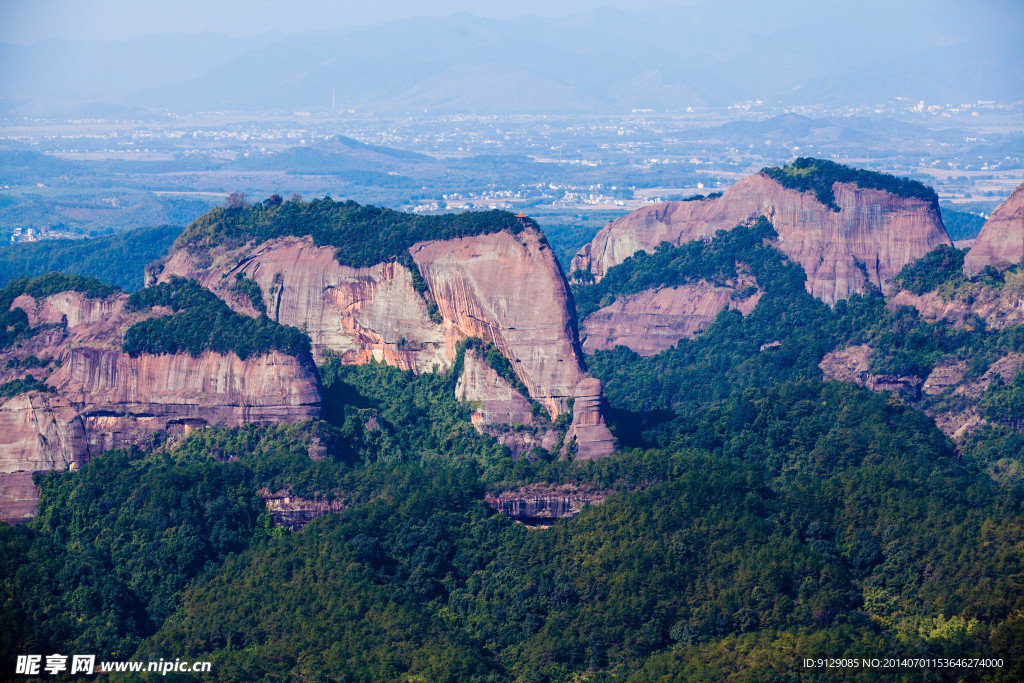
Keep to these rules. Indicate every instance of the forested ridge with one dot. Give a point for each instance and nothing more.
(362, 235)
(807, 174)
(758, 515)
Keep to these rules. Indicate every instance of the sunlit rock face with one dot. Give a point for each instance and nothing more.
(1001, 241)
(868, 241)
(504, 289)
(102, 398)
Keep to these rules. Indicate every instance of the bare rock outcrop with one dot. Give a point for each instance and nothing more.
(998, 307)
(868, 241)
(540, 505)
(656, 319)
(852, 364)
(588, 433)
(508, 289)
(291, 511)
(947, 395)
(18, 497)
(1001, 240)
(359, 313)
(102, 398)
(500, 410)
(495, 402)
(505, 289)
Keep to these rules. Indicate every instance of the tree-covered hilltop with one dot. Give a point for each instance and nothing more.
(807, 174)
(118, 259)
(362, 235)
(202, 322)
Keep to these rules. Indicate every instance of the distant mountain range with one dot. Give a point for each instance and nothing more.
(604, 61)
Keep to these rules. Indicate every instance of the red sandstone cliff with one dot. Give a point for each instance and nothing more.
(506, 289)
(1001, 240)
(656, 319)
(870, 239)
(105, 399)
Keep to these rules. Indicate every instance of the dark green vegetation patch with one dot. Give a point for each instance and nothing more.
(118, 259)
(362, 235)
(202, 322)
(251, 290)
(806, 174)
(21, 386)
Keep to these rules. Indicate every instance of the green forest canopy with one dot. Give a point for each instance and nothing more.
(362, 235)
(806, 174)
(202, 322)
(117, 259)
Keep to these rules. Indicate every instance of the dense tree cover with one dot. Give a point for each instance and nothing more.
(362, 235)
(103, 563)
(43, 286)
(961, 225)
(1004, 401)
(758, 516)
(21, 386)
(941, 267)
(118, 259)
(251, 290)
(202, 322)
(818, 175)
(806, 517)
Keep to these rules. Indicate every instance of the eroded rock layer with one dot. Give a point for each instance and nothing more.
(948, 395)
(359, 313)
(656, 319)
(1001, 241)
(871, 237)
(545, 504)
(291, 511)
(508, 289)
(102, 398)
(505, 289)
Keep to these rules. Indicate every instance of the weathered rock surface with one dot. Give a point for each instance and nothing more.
(998, 307)
(852, 364)
(589, 434)
(500, 410)
(293, 512)
(656, 319)
(545, 504)
(503, 288)
(18, 497)
(508, 289)
(945, 395)
(1001, 241)
(105, 399)
(868, 241)
(360, 313)
(496, 402)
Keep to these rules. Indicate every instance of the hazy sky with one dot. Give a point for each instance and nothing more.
(29, 21)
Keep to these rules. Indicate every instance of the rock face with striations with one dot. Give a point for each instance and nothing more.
(359, 313)
(102, 398)
(506, 289)
(542, 505)
(1001, 240)
(656, 319)
(868, 241)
